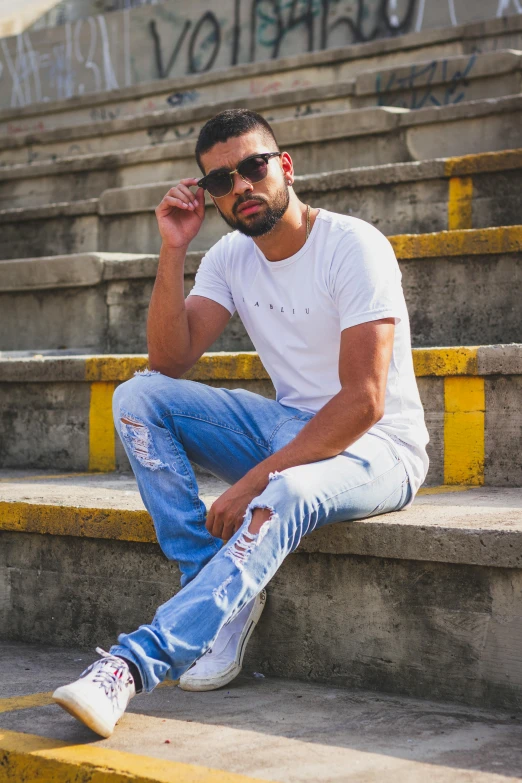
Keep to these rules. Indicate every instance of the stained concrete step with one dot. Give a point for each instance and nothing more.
(317, 143)
(461, 287)
(57, 409)
(320, 68)
(362, 736)
(434, 592)
(428, 83)
(471, 191)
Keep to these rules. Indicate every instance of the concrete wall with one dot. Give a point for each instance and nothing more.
(111, 51)
(409, 626)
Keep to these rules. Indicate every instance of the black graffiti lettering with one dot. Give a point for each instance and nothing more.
(236, 33)
(384, 26)
(419, 84)
(213, 38)
(164, 72)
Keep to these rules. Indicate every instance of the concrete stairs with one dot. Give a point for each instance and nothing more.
(424, 604)
(317, 143)
(322, 69)
(258, 729)
(426, 84)
(471, 191)
(462, 287)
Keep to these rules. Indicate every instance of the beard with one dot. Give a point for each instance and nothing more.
(261, 222)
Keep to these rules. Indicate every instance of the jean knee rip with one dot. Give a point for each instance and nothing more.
(137, 436)
(242, 548)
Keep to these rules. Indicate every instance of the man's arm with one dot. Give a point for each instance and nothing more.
(179, 330)
(364, 359)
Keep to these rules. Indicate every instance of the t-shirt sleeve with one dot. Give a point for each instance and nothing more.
(211, 279)
(365, 279)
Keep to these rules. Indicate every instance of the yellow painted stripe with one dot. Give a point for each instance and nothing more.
(482, 162)
(460, 198)
(445, 361)
(32, 700)
(102, 443)
(14, 703)
(476, 241)
(114, 368)
(114, 523)
(33, 759)
(246, 365)
(464, 422)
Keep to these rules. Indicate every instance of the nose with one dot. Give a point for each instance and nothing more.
(241, 185)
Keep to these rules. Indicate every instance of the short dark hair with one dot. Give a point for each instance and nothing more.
(229, 124)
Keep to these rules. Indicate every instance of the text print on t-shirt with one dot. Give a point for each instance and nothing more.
(270, 306)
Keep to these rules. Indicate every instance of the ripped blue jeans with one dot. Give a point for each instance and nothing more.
(165, 424)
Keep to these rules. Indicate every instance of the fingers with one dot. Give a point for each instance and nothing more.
(181, 197)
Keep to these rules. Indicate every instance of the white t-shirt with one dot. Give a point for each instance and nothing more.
(294, 311)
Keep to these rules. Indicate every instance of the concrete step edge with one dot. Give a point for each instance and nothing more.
(88, 269)
(503, 359)
(409, 41)
(484, 65)
(303, 130)
(473, 526)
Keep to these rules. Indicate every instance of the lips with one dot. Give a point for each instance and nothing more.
(249, 207)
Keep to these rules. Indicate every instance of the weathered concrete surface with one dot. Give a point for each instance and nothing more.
(430, 83)
(467, 525)
(295, 732)
(46, 404)
(317, 143)
(455, 296)
(414, 624)
(109, 41)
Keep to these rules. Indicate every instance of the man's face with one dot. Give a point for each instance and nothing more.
(254, 209)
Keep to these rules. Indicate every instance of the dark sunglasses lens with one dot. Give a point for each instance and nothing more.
(253, 169)
(219, 184)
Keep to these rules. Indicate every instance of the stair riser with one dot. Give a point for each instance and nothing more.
(317, 144)
(426, 629)
(464, 300)
(124, 134)
(269, 77)
(124, 220)
(54, 419)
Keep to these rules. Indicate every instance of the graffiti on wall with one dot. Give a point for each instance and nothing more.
(111, 51)
(81, 63)
(438, 83)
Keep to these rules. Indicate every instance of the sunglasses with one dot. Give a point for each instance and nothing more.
(219, 183)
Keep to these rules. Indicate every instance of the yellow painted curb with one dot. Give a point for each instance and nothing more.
(33, 759)
(474, 241)
(445, 361)
(113, 523)
(482, 162)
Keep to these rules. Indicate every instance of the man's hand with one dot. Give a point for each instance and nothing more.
(180, 214)
(226, 514)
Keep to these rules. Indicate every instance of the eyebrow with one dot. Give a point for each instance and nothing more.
(223, 168)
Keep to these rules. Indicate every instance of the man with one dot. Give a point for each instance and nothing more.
(320, 296)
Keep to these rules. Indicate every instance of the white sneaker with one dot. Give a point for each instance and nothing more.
(101, 695)
(219, 665)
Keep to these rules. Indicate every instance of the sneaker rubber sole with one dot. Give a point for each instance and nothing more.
(231, 672)
(81, 710)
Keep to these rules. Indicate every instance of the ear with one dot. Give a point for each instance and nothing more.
(288, 167)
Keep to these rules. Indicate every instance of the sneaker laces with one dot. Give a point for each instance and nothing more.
(113, 680)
